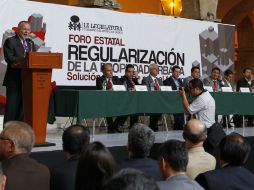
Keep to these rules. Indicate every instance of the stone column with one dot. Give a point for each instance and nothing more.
(190, 9)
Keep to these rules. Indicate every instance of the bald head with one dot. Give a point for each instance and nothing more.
(195, 131)
(75, 139)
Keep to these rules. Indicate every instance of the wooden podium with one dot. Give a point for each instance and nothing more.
(36, 89)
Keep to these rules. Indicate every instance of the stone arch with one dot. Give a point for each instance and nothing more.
(237, 13)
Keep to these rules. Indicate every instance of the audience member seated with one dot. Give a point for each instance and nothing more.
(22, 172)
(153, 83)
(140, 141)
(95, 166)
(106, 82)
(75, 139)
(130, 179)
(234, 150)
(175, 82)
(2, 178)
(195, 133)
(173, 159)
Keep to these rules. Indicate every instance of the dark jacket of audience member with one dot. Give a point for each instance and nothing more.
(140, 141)
(131, 179)
(173, 159)
(95, 166)
(234, 150)
(22, 172)
(75, 139)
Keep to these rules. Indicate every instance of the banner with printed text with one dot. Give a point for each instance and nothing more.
(89, 37)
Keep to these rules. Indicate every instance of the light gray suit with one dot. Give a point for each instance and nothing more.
(209, 82)
(186, 81)
(148, 81)
(179, 182)
(225, 84)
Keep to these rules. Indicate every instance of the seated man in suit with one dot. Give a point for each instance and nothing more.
(173, 160)
(153, 82)
(195, 74)
(234, 151)
(130, 80)
(214, 80)
(247, 81)
(106, 82)
(140, 141)
(228, 81)
(22, 172)
(194, 134)
(175, 82)
(75, 139)
(130, 179)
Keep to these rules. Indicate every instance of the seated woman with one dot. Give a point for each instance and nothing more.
(95, 166)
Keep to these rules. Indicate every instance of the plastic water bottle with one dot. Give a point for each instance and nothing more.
(125, 85)
(104, 85)
(152, 86)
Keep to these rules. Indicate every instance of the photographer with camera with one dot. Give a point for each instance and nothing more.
(203, 107)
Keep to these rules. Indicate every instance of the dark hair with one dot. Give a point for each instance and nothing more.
(194, 138)
(140, 140)
(131, 179)
(245, 69)
(75, 138)
(228, 72)
(23, 22)
(103, 66)
(194, 68)
(175, 153)
(215, 68)
(234, 149)
(197, 83)
(175, 67)
(95, 166)
(128, 66)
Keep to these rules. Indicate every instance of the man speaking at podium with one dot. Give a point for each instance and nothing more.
(15, 49)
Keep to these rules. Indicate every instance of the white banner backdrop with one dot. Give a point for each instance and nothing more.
(89, 37)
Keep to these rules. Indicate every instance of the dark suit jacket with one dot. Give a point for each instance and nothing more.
(243, 83)
(24, 173)
(179, 182)
(63, 174)
(14, 52)
(128, 81)
(101, 79)
(148, 81)
(170, 82)
(146, 165)
(227, 178)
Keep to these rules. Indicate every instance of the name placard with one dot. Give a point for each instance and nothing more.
(226, 89)
(208, 88)
(245, 90)
(119, 88)
(141, 88)
(166, 88)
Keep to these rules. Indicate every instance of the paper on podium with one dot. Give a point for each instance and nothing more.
(44, 49)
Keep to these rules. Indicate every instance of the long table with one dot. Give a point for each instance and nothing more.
(95, 104)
